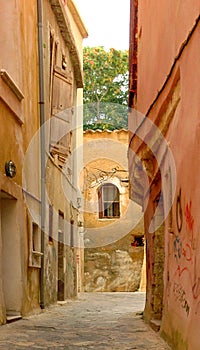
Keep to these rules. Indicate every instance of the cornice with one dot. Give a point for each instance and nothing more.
(67, 34)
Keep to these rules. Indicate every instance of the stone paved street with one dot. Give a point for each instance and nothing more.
(94, 321)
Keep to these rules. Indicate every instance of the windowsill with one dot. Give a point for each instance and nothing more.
(11, 94)
(12, 85)
(136, 249)
(35, 252)
(111, 218)
(35, 259)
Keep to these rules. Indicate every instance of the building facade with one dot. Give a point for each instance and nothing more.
(163, 152)
(40, 77)
(114, 248)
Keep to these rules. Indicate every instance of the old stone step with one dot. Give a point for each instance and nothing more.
(155, 325)
(12, 316)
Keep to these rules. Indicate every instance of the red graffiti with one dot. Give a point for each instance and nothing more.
(188, 216)
(187, 252)
(197, 311)
(196, 289)
(195, 285)
(180, 271)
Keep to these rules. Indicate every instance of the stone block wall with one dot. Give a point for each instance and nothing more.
(114, 268)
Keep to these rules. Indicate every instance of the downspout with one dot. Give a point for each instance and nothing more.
(42, 146)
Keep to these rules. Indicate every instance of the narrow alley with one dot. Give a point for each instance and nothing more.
(93, 321)
(99, 174)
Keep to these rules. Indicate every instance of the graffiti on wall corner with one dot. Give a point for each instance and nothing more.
(189, 217)
(179, 212)
(180, 297)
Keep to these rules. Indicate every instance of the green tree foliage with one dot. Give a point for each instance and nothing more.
(105, 88)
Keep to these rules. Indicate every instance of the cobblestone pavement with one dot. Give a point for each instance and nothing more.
(93, 321)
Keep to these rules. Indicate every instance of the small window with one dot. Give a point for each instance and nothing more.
(109, 206)
(138, 241)
(64, 62)
(35, 238)
(50, 223)
(72, 233)
(35, 253)
(60, 226)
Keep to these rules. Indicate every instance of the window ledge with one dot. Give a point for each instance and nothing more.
(12, 85)
(11, 94)
(34, 252)
(35, 259)
(108, 219)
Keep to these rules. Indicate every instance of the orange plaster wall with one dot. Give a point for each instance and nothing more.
(163, 27)
(182, 291)
(162, 31)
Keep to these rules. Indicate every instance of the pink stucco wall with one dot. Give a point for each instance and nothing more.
(164, 28)
(182, 290)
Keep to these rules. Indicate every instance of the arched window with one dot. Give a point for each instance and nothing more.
(109, 206)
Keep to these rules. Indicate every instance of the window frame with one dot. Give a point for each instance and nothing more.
(104, 203)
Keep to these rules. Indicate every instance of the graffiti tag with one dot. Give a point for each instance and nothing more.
(180, 296)
(188, 216)
(179, 213)
(177, 248)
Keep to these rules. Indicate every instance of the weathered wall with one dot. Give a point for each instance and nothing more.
(62, 81)
(112, 263)
(18, 92)
(114, 268)
(30, 77)
(159, 44)
(20, 205)
(169, 34)
(61, 262)
(182, 275)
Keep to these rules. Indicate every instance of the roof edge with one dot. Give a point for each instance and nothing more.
(77, 18)
(91, 131)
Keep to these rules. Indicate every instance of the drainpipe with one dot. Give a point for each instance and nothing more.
(42, 146)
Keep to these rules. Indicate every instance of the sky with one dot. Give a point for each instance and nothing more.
(107, 22)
